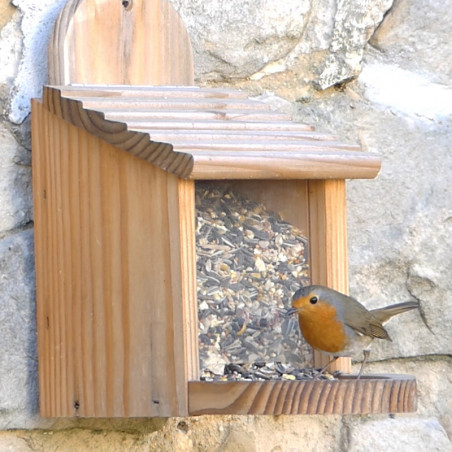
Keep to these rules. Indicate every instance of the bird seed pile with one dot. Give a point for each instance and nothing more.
(261, 371)
(249, 264)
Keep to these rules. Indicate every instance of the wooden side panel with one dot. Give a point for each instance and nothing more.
(328, 240)
(371, 394)
(105, 41)
(109, 277)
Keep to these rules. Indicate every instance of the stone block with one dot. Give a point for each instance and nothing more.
(414, 434)
(18, 361)
(16, 204)
(256, 39)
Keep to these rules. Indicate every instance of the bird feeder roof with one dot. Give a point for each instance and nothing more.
(207, 133)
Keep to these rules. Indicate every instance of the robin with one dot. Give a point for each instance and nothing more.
(338, 324)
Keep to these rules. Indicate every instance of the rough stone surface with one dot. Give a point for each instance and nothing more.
(11, 45)
(399, 434)
(15, 183)
(6, 12)
(417, 35)
(12, 442)
(207, 433)
(391, 87)
(319, 42)
(18, 364)
(30, 72)
(354, 24)
(239, 40)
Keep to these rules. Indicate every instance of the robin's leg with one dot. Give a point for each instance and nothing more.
(366, 353)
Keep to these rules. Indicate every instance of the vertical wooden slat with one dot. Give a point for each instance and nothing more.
(39, 188)
(328, 241)
(125, 374)
(86, 328)
(46, 240)
(93, 236)
(74, 313)
(111, 188)
(65, 266)
(188, 308)
(55, 259)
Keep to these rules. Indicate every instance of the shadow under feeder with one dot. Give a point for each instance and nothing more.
(115, 163)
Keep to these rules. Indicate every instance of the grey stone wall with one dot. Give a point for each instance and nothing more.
(373, 72)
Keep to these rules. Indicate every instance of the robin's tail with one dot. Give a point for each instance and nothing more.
(384, 314)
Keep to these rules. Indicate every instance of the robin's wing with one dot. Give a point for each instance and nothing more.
(357, 317)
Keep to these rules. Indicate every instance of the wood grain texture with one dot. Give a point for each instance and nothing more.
(369, 395)
(104, 42)
(111, 264)
(328, 247)
(198, 136)
(148, 91)
(186, 313)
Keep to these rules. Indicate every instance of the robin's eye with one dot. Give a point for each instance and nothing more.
(313, 300)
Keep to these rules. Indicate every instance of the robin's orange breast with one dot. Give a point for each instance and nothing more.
(321, 328)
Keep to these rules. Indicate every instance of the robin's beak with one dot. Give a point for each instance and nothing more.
(291, 311)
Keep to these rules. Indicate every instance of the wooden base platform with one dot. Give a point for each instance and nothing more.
(347, 395)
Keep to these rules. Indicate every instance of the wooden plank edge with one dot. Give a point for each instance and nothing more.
(188, 91)
(218, 125)
(289, 165)
(193, 133)
(196, 115)
(372, 394)
(250, 145)
(140, 102)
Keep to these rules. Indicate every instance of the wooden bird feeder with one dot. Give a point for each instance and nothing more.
(121, 138)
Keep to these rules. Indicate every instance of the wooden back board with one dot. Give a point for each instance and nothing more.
(128, 42)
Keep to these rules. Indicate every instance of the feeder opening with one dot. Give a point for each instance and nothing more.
(249, 260)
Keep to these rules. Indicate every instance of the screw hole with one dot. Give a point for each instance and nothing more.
(127, 4)
(183, 427)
